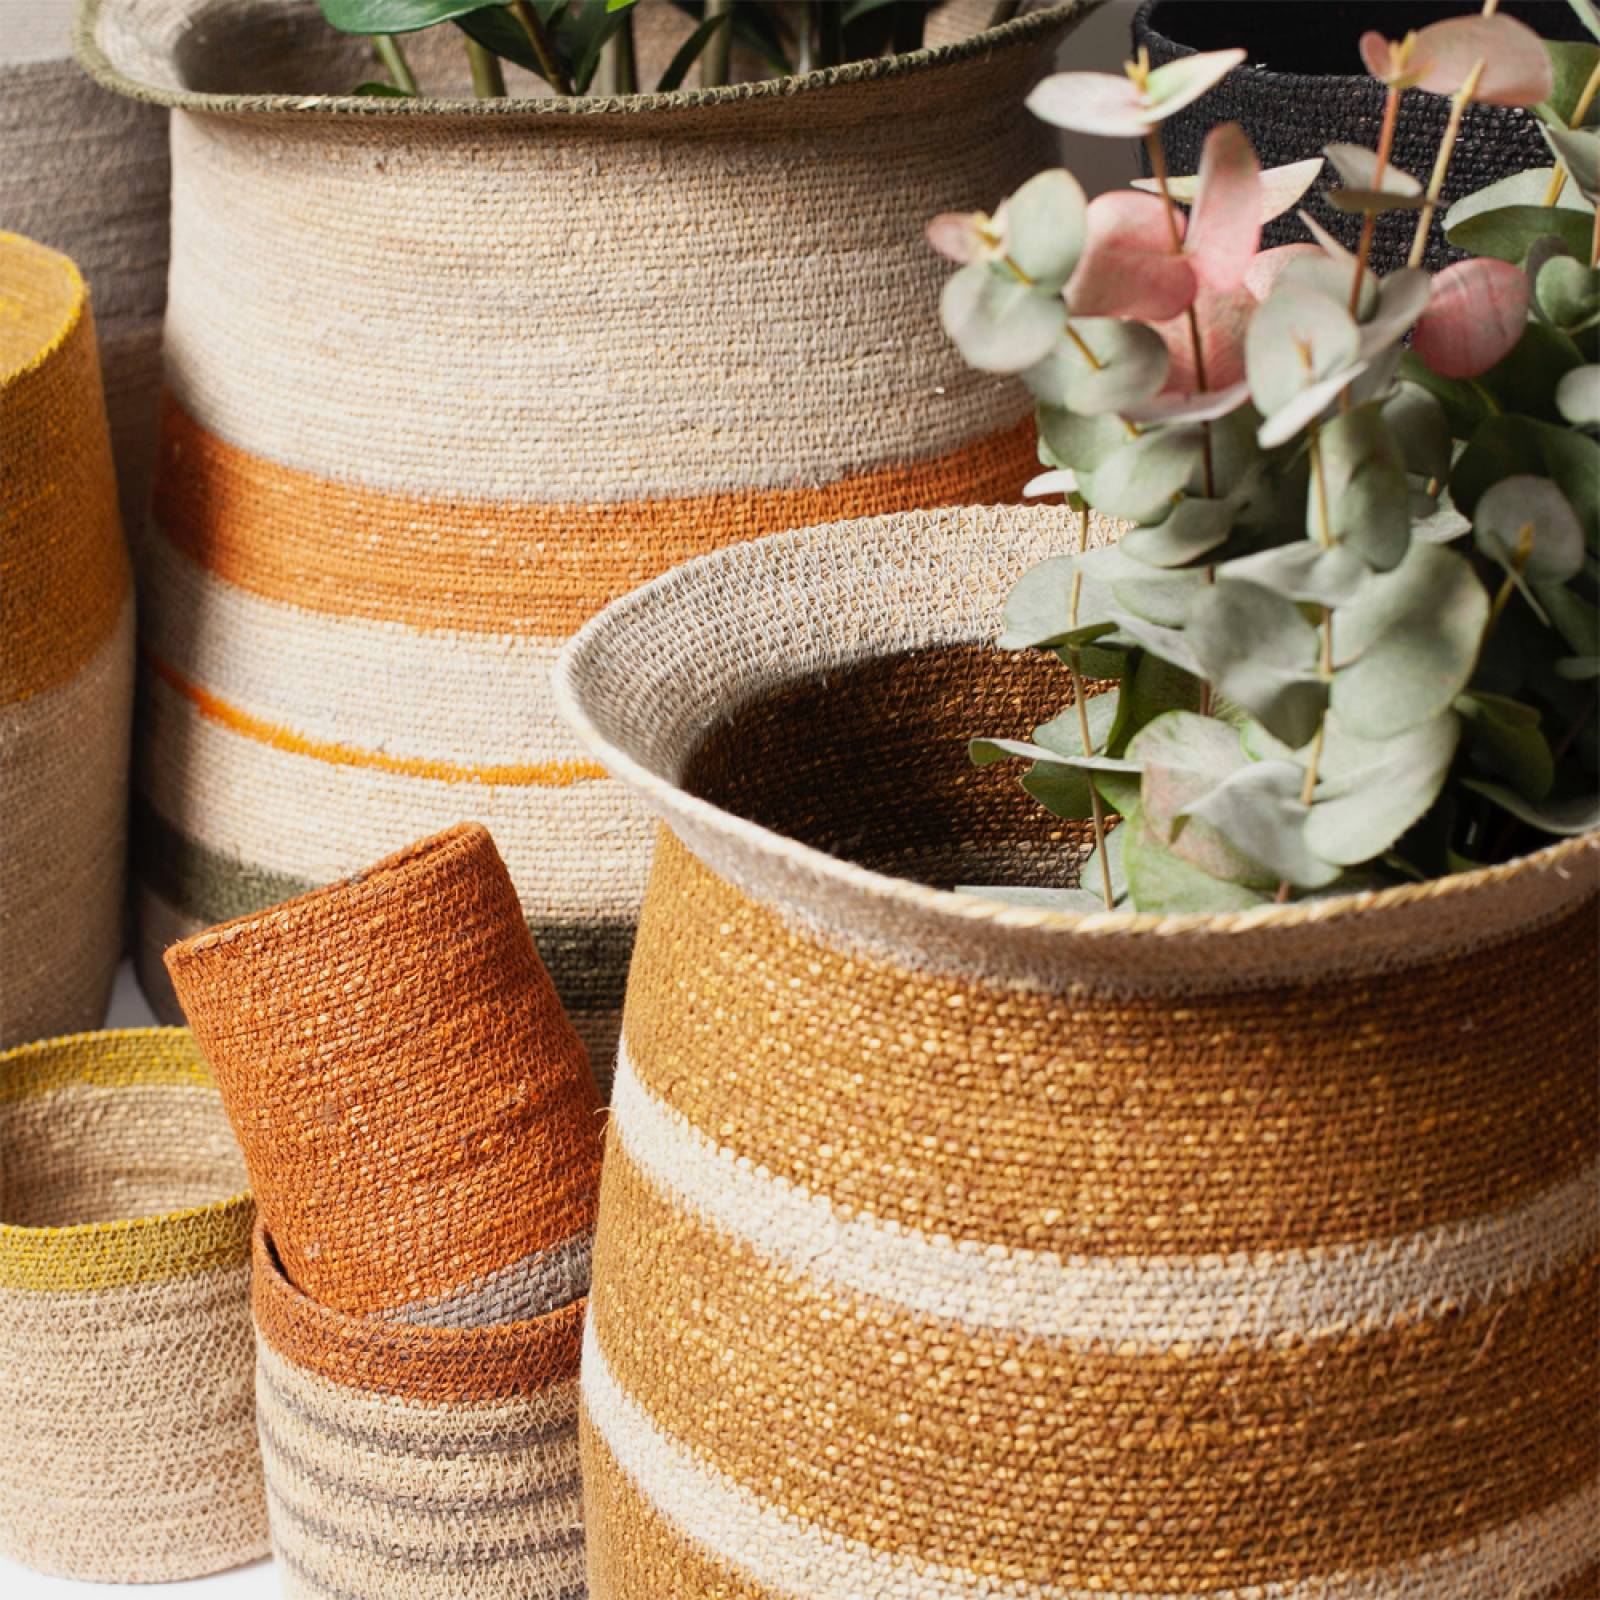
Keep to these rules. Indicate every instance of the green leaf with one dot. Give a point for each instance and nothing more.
(690, 50)
(1417, 421)
(1064, 734)
(1577, 620)
(620, 5)
(1505, 734)
(1567, 818)
(394, 16)
(1038, 609)
(1089, 875)
(1571, 63)
(1567, 291)
(1405, 644)
(1578, 396)
(1152, 593)
(1302, 571)
(382, 91)
(1159, 881)
(1150, 688)
(1076, 901)
(1259, 811)
(1130, 364)
(1508, 233)
(985, 752)
(1364, 473)
(498, 31)
(1525, 188)
(1372, 791)
(1579, 151)
(999, 323)
(1077, 443)
(1139, 480)
(1296, 339)
(1258, 650)
(1526, 525)
(1464, 403)
(1502, 447)
(1194, 527)
(1046, 222)
(1524, 380)
(1587, 15)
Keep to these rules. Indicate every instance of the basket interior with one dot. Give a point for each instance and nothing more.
(84, 1152)
(869, 763)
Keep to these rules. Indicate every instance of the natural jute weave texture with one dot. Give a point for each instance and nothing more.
(442, 383)
(85, 172)
(66, 656)
(420, 1124)
(949, 1249)
(418, 1463)
(127, 1440)
(1303, 87)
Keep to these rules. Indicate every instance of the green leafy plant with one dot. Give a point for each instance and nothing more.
(587, 46)
(1351, 637)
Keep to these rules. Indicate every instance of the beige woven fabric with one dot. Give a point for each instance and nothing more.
(410, 444)
(86, 172)
(127, 1448)
(947, 1250)
(66, 657)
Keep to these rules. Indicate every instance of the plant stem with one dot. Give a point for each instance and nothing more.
(1325, 663)
(1096, 809)
(1369, 223)
(1558, 178)
(715, 63)
(543, 50)
(394, 61)
(830, 33)
(617, 64)
(1004, 11)
(488, 82)
(1594, 242)
(1459, 102)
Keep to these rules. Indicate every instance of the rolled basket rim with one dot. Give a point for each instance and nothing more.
(67, 1233)
(1021, 30)
(669, 799)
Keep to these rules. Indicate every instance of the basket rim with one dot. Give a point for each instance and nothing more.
(616, 109)
(599, 638)
(179, 1219)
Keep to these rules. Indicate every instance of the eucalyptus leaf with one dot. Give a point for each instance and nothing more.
(1567, 291)
(997, 322)
(1077, 443)
(1152, 593)
(1306, 407)
(1372, 202)
(1357, 167)
(1571, 64)
(1038, 610)
(1520, 189)
(1509, 232)
(1523, 381)
(1126, 363)
(1297, 338)
(1162, 882)
(1503, 446)
(1076, 901)
(1257, 649)
(1258, 809)
(1195, 527)
(1464, 403)
(1437, 521)
(1090, 877)
(1063, 734)
(1406, 642)
(1046, 222)
(1417, 422)
(1578, 669)
(1579, 150)
(1138, 481)
(1566, 818)
(1363, 487)
(1506, 735)
(1302, 571)
(1372, 791)
(1587, 15)
(1577, 620)
(1402, 298)
(1578, 396)
(1526, 525)
(1150, 688)
(985, 752)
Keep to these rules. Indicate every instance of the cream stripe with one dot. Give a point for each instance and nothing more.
(1142, 1301)
(786, 1554)
(577, 853)
(471, 698)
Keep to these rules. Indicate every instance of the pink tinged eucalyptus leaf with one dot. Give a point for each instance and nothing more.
(1182, 82)
(1380, 57)
(1281, 187)
(1225, 225)
(960, 236)
(1222, 316)
(1476, 314)
(1101, 103)
(1129, 267)
(1263, 271)
(1516, 71)
(1206, 406)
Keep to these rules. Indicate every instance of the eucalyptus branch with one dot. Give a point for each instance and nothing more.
(1096, 808)
(543, 50)
(1558, 178)
(1369, 223)
(394, 61)
(1459, 102)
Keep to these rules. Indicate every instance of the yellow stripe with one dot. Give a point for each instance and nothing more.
(122, 1059)
(541, 774)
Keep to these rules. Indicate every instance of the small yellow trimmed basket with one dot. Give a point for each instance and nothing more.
(127, 1429)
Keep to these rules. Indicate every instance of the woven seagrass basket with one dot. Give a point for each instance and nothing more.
(85, 172)
(420, 1125)
(445, 376)
(417, 1463)
(66, 656)
(127, 1433)
(1303, 87)
(952, 1248)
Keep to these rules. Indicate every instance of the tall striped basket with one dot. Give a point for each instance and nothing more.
(952, 1249)
(66, 657)
(85, 172)
(445, 376)
(127, 1432)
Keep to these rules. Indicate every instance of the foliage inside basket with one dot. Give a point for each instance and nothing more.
(584, 46)
(1352, 633)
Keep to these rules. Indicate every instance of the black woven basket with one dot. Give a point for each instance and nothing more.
(1293, 95)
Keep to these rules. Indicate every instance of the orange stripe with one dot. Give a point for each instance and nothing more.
(543, 774)
(499, 567)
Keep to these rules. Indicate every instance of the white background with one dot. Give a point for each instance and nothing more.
(1101, 43)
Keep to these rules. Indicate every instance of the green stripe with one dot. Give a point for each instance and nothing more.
(587, 960)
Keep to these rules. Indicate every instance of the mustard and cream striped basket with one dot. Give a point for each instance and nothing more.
(127, 1431)
(949, 1249)
(66, 657)
(85, 172)
(446, 376)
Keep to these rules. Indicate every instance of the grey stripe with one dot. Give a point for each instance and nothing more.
(318, 1585)
(417, 1558)
(440, 1447)
(540, 1282)
(349, 1489)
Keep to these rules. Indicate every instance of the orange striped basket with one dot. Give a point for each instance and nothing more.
(445, 376)
(66, 657)
(951, 1249)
